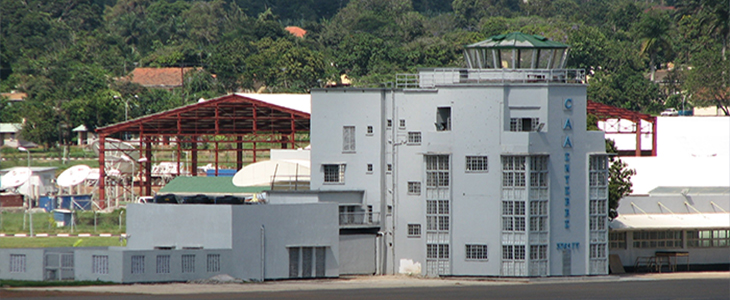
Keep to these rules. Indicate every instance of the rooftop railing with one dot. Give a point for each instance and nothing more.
(359, 219)
(431, 78)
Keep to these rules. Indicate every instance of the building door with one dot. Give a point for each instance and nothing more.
(566, 262)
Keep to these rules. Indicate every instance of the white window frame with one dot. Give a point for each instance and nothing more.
(332, 178)
(370, 130)
(476, 252)
(414, 230)
(414, 188)
(477, 164)
(414, 138)
(348, 139)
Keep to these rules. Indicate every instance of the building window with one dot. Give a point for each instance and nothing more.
(513, 215)
(370, 168)
(476, 252)
(708, 238)
(213, 263)
(370, 130)
(414, 138)
(389, 123)
(137, 264)
(476, 164)
(390, 168)
(348, 139)
(188, 263)
(538, 252)
(510, 252)
(657, 239)
(402, 123)
(617, 240)
(334, 173)
(436, 251)
(513, 171)
(100, 264)
(443, 119)
(414, 187)
(163, 264)
(523, 124)
(598, 250)
(437, 215)
(414, 230)
(17, 263)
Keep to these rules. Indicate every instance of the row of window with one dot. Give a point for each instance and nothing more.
(335, 173)
(443, 123)
(671, 239)
(213, 264)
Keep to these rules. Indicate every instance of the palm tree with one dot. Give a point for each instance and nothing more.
(653, 30)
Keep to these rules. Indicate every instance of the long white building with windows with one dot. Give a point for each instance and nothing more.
(485, 171)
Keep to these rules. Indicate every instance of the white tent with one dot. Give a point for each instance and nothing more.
(265, 172)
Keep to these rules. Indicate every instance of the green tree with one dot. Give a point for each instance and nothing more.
(619, 185)
(625, 88)
(707, 80)
(619, 180)
(653, 30)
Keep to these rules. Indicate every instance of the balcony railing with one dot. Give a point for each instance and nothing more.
(430, 78)
(359, 219)
(290, 182)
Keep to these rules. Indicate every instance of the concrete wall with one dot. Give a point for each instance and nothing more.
(31, 267)
(281, 227)
(84, 264)
(357, 254)
(174, 273)
(179, 226)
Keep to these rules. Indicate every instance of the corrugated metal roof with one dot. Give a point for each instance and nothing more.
(11, 127)
(693, 190)
(208, 186)
(517, 40)
(670, 221)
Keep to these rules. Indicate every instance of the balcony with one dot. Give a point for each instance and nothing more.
(431, 78)
(362, 219)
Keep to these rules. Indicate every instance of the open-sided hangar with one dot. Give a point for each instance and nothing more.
(235, 123)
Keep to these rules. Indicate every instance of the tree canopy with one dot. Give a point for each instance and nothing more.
(70, 56)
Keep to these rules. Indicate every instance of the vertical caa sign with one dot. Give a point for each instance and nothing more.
(567, 148)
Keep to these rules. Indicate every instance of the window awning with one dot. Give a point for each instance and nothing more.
(670, 221)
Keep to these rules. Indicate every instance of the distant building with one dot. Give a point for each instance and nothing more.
(159, 78)
(296, 31)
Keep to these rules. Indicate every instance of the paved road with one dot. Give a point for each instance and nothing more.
(632, 289)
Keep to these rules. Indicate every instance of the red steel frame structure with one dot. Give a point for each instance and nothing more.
(605, 112)
(232, 120)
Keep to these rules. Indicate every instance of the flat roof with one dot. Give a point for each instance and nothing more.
(208, 186)
(627, 222)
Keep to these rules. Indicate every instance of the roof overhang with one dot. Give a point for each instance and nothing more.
(232, 114)
(629, 222)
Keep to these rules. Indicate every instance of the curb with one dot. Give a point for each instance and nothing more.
(63, 235)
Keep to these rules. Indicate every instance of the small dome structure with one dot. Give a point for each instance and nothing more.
(516, 51)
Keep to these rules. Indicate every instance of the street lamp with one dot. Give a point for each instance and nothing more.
(26, 150)
(30, 201)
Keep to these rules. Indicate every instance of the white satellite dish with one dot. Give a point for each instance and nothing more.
(264, 172)
(73, 176)
(16, 177)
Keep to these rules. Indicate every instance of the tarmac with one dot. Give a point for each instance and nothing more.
(360, 282)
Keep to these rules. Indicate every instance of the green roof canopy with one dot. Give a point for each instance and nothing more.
(209, 186)
(516, 51)
(517, 40)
